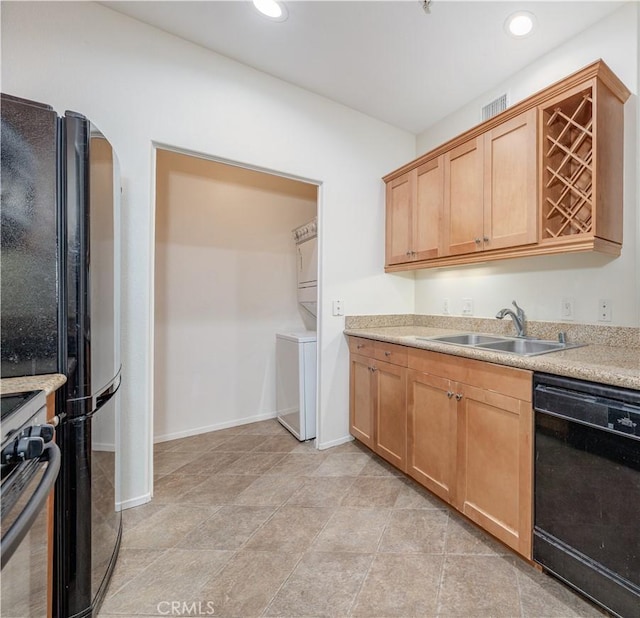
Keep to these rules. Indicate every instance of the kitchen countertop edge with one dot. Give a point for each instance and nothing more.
(596, 363)
(49, 383)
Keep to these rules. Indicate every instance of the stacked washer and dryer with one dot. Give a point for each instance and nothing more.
(296, 352)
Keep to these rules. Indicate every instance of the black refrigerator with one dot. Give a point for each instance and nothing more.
(60, 313)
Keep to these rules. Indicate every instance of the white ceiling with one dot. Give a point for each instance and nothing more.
(387, 59)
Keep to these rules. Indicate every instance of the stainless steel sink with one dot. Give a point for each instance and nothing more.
(525, 347)
(509, 345)
(471, 339)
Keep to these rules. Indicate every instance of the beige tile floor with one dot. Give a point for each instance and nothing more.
(249, 522)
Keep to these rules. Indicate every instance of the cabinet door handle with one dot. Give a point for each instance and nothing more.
(486, 239)
(449, 394)
(359, 346)
(387, 354)
(408, 253)
(477, 241)
(374, 369)
(458, 396)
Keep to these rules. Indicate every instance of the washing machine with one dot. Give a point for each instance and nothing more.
(296, 364)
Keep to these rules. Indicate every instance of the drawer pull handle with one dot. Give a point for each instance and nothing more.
(359, 346)
(458, 396)
(387, 353)
(449, 394)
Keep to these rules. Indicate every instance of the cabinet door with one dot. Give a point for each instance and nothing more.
(463, 198)
(361, 399)
(431, 429)
(510, 187)
(391, 413)
(399, 203)
(495, 461)
(427, 210)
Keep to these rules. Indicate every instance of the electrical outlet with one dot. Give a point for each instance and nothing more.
(467, 306)
(604, 310)
(445, 306)
(566, 309)
(338, 308)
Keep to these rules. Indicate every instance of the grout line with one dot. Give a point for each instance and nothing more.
(131, 581)
(286, 579)
(517, 576)
(444, 560)
(373, 557)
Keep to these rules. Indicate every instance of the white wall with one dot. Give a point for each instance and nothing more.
(540, 283)
(225, 283)
(140, 86)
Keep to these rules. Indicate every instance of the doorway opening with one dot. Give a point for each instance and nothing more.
(225, 283)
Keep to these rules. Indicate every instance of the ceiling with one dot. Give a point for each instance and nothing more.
(388, 59)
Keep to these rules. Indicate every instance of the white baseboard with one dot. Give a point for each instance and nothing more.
(110, 448)
(133, 502)
(338, 442)
(207, 428)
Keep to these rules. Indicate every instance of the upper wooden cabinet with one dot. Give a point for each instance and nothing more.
(399, 213)
(490, 189)
(544, 176)
(414, 211)
(581, 183)
(510, 176)
(464, 199)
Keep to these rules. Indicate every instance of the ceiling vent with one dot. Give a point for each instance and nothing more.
(495, 107)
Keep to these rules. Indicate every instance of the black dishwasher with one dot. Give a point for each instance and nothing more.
(587, 489)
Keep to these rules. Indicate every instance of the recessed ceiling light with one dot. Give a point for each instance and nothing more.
(271, 9)
(520, 24)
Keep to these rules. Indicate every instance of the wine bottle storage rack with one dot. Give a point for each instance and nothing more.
(568, 192)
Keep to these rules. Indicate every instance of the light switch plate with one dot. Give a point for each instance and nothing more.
(467, 306)
(567, 309)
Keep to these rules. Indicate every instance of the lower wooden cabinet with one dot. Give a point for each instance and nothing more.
(390, 413)
(378, 409)
(431, 433)
(461, 428)
(494, 465)
(361, 400)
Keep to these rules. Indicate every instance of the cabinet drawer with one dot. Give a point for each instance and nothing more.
(361, 346)
(391, 353)
(516, 383)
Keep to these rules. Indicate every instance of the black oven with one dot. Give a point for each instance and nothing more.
(587, 489)
(30, 461)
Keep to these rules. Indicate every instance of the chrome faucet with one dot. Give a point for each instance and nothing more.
(518, 318)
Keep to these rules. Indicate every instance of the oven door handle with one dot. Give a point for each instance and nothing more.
(24, 521)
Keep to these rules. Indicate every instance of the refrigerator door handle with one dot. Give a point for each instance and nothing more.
(84, 406)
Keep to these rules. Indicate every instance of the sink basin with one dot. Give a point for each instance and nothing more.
(509, 345)
(525, 347)
(465, 339)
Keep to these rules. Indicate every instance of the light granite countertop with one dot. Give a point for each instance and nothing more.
(617, 365)
(48, 383)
